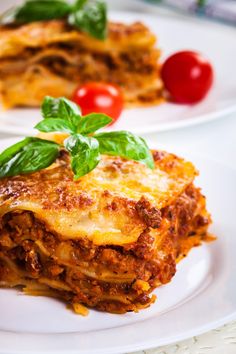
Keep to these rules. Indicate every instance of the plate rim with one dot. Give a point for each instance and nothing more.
(110, 350)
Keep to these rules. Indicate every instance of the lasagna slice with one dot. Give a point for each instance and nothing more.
(52, 58)
(105, 241)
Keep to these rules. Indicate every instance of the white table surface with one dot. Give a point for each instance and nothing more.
(215, 140)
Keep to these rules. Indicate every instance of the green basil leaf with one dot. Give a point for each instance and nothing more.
(90, 17)
(92, 122)
(29, 155)
(125, 144)
(84, 152)
(55, 125)
(41, 10)
(79, 4)
(61, 108)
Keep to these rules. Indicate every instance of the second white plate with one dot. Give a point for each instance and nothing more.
(215, 41)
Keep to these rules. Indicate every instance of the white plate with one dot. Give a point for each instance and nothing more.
(215, 41)
(200, 297)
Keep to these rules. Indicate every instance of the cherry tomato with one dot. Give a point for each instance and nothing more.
(100, 98)
(187, 76)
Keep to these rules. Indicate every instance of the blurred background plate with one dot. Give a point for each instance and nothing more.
(215, 41)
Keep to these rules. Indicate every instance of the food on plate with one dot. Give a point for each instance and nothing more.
(187, 76)
(100, 97)
(96, 219)
(78, 136)
(49, 52)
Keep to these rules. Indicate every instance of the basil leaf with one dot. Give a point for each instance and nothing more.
(55, 125)
(84, 152)
(61, 108)
(29, 155)
(92, 122)
(79, 4)
(125, 144)
(41, 10)
(90, 17)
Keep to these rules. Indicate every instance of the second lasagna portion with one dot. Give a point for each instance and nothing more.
(106, 241)
(52, 58)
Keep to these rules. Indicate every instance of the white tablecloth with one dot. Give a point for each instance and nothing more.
(219, 341)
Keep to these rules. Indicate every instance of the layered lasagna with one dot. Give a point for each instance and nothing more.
(105, 241)
(52, 58)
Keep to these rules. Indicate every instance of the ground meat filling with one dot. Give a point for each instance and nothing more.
(111, 278)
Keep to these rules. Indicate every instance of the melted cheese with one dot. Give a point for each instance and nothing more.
(100, 206)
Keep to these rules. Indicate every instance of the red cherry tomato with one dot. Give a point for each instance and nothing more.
(187, 76)
(100, 98)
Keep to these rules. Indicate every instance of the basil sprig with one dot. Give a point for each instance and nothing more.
(125, 144)
(29, 155)
(85, 155)
(38, 10)
(62, 115)
(89, 16)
